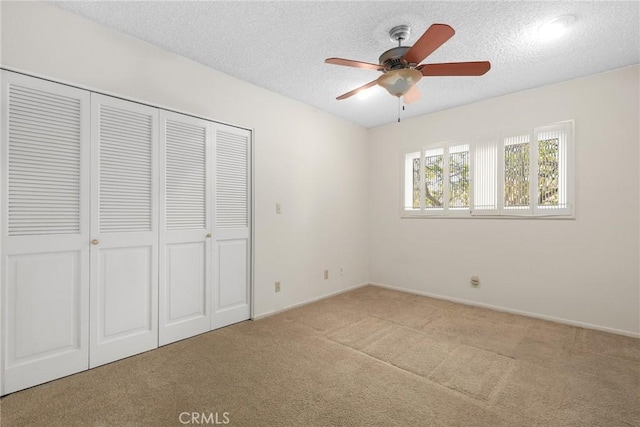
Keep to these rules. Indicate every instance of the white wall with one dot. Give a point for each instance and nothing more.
(307, 160)
(583, 270)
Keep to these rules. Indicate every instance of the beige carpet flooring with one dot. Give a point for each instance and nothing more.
(369, 357)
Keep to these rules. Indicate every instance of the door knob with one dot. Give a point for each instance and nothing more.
(208, 235)
(94, 242)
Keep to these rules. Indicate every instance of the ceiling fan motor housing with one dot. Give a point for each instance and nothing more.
(392, 59)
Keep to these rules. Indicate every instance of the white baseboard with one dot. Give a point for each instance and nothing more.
(309, 301)
(509, 310)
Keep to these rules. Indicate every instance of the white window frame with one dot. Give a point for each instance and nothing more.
(504, 210)
(567, 168)
(445, 193)
(407, 182)
(566, 130)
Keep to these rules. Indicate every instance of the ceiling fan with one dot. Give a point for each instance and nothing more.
(401, 66)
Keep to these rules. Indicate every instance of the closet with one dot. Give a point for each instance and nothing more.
(124, 227)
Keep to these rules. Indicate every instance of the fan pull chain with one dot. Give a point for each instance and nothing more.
(400, 108)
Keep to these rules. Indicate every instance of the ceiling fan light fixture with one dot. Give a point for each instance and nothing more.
(399, 82)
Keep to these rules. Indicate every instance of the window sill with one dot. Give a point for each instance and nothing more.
(517, 217)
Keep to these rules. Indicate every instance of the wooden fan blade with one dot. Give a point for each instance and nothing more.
(361, 88)
(433, 38)
(412, 96)
(351, 63)
(455, 69)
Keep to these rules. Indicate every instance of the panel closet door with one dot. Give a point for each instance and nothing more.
(185, 227)
(44, 232)
(124, 229)
(232, 279)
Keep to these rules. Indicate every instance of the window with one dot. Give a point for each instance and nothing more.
(525, 173)
(434, 179)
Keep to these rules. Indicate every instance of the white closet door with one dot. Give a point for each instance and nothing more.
(232, 280)
(185, 227)
(124, 229)
(45, 231)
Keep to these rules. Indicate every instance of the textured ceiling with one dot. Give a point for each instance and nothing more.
(281, 46)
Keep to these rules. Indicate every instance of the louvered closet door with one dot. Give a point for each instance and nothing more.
(124, 229)
(185, 227)
(232, 220)
(45, 231)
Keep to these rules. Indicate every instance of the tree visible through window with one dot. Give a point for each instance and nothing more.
(433, 180)
(548, 172)
(459, 177)
(516, 175)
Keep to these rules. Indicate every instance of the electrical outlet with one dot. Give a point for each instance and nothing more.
(341, 271)
(326, 275)
(278, 208)
(277, 286)
(475, 281)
